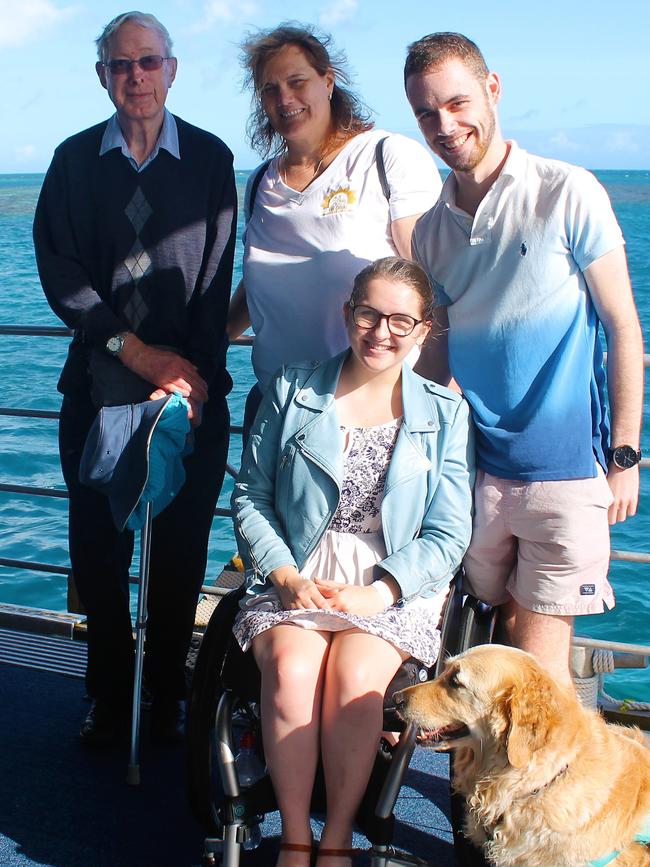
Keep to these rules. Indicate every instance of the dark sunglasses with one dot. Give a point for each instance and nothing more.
(148, 63)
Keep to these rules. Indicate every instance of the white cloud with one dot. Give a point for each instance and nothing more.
(520, 118)
(223, 12)
(562, 141)
(338, 11)
(622, 142)
(23, 153)
(26, 21)
(597, 146)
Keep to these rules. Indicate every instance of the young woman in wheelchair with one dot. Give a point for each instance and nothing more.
(352, 512)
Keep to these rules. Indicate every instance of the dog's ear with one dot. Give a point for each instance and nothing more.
(531, 707)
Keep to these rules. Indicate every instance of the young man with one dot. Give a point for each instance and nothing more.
(134, 236)
(527, 260)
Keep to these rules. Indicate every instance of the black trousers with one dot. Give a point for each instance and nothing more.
(101, 557)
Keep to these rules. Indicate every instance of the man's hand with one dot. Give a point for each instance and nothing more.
(194, 412)
(624, 485)
(351, 598)
(164, 368)
(295, 591)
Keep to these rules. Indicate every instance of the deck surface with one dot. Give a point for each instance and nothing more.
(62, 805)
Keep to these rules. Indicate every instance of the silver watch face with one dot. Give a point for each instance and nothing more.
(114, 344)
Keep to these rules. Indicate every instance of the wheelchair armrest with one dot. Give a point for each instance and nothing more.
(410, 672)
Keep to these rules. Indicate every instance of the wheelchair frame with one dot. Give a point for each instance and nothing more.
(225, 690)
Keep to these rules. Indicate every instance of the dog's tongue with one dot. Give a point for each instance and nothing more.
(437, 735)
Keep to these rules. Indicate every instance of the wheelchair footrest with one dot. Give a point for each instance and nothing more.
(247, 834)
(387, 856)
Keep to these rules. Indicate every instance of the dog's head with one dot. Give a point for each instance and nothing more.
(490, 697)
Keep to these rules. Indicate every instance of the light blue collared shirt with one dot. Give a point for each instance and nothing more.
(114, 138)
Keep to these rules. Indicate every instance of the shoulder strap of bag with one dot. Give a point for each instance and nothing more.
(381, 168)
(249, 203)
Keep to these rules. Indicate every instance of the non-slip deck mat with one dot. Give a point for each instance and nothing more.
(64, 806)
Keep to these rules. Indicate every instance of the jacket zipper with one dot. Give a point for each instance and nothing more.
(328, 521)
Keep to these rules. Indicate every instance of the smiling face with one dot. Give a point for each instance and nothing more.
(295, 97)
(137, 95)
(456, 112)
(376, 348)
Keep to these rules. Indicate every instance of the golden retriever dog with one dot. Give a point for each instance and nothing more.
(547, 783)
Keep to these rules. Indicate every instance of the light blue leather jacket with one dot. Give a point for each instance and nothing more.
(290, 481)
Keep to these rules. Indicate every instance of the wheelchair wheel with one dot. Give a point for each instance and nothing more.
(203, 785)
(477, 625)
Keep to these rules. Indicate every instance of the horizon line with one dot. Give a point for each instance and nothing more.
(443, 168)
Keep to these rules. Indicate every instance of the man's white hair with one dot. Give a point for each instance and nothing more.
(143, 19)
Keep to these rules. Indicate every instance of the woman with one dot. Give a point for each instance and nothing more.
(319, 213)
(354, 494)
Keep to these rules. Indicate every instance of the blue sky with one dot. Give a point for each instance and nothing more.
(576, 76)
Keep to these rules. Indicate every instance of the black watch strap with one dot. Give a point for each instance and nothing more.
(115, 343)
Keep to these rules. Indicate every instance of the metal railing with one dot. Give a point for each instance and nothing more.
(60, 493)
(32, 490)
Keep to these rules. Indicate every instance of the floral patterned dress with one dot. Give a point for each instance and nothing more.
(349, 552)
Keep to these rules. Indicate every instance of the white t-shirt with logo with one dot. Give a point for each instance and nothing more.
(303, 250)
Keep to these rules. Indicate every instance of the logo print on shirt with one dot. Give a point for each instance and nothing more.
(338, 200)
(587, 589)
(523, 249)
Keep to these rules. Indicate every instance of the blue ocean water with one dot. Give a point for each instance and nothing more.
(34, 528)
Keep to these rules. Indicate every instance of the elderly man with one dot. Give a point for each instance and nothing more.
(527, 259)
(134, 236)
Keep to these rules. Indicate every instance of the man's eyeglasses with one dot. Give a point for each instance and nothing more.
(399, 324)
(148, 63)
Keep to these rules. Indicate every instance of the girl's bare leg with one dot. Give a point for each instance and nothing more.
(359, 668)
(292, 662)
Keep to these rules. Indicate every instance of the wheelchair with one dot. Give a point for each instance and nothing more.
(223, 705)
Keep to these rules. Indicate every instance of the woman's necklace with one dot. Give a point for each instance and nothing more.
(303, 186)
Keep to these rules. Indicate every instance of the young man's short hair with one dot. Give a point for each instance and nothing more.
(437, 48)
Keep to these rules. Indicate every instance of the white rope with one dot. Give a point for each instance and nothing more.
(626, 704)
(587, 690)
(602, 661)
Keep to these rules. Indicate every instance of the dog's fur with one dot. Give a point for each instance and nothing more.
(547, 783)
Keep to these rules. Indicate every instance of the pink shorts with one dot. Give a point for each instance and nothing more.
(546, 544)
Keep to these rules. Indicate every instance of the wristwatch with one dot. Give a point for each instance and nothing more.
(624, 456)
(115, 344)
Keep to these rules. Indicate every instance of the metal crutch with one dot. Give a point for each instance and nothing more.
(133, 772)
